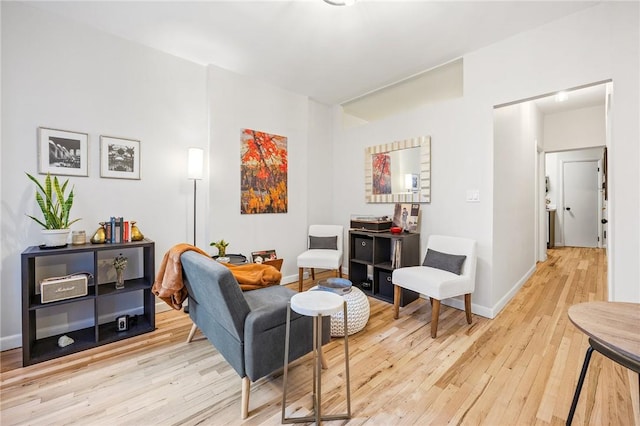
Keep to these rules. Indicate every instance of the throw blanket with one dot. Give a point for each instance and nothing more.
(169, 285)
(252, 276)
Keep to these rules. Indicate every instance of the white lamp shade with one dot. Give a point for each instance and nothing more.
(195, 163)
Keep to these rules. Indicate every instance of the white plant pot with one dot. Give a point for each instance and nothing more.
(55, 237)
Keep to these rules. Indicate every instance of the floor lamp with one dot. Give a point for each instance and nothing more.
(195, 171)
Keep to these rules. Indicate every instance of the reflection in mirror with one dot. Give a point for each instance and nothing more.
(399, 171)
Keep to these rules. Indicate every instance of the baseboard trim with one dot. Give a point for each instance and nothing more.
(514, 290)
(10, 342)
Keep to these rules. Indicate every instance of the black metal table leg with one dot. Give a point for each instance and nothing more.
(576, 396)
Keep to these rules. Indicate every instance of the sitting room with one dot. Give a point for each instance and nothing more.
(250, 132)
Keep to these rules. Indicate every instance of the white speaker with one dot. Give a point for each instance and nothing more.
(61, 288)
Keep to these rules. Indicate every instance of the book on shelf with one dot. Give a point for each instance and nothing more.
(117, 230)
(396, 253)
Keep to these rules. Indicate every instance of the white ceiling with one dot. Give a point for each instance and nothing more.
(330, 53)
(579, 98)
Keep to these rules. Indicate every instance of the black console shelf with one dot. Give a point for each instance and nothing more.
(374, 255)
(35, 350)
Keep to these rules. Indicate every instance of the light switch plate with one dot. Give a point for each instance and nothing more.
(473, 196)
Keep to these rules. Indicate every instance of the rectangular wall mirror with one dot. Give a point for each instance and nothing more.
(398, 172)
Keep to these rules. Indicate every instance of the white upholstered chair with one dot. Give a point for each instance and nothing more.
(444, 254)
(324, 244)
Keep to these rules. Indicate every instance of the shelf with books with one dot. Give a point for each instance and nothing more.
(44, 323)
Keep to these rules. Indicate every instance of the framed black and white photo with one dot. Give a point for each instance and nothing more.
(61, 152)
(119, 158)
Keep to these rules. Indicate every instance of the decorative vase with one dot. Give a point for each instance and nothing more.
(55, 237)
(136, 235)
(119, 279)
(100, 236)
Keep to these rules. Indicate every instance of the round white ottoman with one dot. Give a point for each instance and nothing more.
(357, 313)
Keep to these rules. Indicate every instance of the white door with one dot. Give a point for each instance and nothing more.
(580, 203)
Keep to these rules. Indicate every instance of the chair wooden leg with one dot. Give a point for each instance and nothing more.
(246, 388)
(313, 274)
(397, 292)
(467, 306)
(300, 276)
(435, 313)
(192, 332)
(339, 272)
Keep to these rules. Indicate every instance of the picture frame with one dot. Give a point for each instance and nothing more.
(119, 158)
(263, 255)
(63, 152)
(407, 217)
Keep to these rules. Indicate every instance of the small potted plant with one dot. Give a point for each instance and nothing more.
(222, 250)
(55, 205)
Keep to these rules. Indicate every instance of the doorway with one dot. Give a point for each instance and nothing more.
(572, 123)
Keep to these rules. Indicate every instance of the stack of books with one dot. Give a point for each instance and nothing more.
(336, 285)
(117, 230)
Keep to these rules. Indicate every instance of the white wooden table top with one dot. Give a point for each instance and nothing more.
(314, 303)
(613, 324)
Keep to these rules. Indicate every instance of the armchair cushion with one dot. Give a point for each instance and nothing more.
(445, 261)
(432, 282)
(328, 243)
(320, 258)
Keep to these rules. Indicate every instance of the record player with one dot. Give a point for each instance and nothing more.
(370, 223)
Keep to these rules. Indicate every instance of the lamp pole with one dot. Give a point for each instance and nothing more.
(194, 211)
(195, 166)
(195, 172)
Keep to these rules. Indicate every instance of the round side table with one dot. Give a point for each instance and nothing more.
(315, 304)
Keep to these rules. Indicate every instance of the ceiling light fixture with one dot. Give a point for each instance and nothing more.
(562, 96)
(340, 2)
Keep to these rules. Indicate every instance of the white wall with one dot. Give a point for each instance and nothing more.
(517, 128)
(237, 102)
(456, 157)
(61, 74)
(589, 46)
(593, 45)
(579, 128)
(320, 156)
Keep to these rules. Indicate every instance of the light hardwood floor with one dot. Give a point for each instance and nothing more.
(520, 368)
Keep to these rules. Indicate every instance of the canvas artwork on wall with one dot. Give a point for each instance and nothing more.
(263, 173)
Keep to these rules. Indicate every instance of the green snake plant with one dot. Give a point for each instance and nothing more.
(53, 202)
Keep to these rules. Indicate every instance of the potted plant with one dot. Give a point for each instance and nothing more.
(222, 250)
(55, 205)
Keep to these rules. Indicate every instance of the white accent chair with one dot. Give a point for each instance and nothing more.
(322, 258)
(439, 284)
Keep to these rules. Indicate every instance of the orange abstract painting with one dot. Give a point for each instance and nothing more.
(263, 173)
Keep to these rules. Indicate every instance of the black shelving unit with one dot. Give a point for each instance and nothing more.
(374, 255)
(36, 350)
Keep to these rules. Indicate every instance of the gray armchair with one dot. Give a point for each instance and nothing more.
(247, 328)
